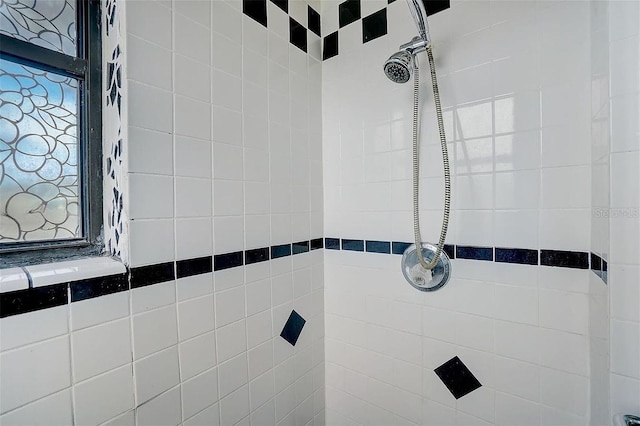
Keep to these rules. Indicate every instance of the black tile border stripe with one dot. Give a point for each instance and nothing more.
(99, 286)
(256, 255)
(281, 250)
(300, 247)
(142, 276)
(352, 245)
(34, 299)
(474, 253)
(563, 258)
(228, 260)
(516, 255)
(316, 243)
(378, 246)
(189, 267)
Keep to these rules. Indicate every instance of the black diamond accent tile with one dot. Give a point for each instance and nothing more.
(348, 12)
(189, 267)
(227, 260)
(32, 299)
(314, 21)
(282, 4)
(517, 255)
(352, 245)
(378, 246)
(474, 253)
(99, 286)
(374, 25)
(297, 35)
(256, 255)
(332, 243)
(153, 274)
(390, 1)
(330, 46)
(566, 259)
(457, 377)
(292, 328)
(435, 6)
(256, 10)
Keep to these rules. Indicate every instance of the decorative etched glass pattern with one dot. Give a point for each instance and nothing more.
(38, 155)
(46, 23)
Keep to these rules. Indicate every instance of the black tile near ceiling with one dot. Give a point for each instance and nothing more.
(374, 25)
(348, 12)
(292, 328)
(457, 377)
(435, 6)
(256, 10)
(282, 4)
(313, 21)
(390, 1)
(297, 35)
(330, 46)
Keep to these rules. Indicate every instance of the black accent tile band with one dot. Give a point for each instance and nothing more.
(330, 46)
(280, 251)
(297, 35)
(256, 255)
(332, 243)
(474, 253)
(378, 246)
(450, 250)
(300, 247)
(353, 245)
(32, 299)
(143, 276)
(316, 244)
(565, 259)
(398, 247)
(197, 266)
(516, 255)
(227, 260)
(596, 262)
(256, 10)
(99, 286)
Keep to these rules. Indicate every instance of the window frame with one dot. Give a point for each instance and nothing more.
(87, 68)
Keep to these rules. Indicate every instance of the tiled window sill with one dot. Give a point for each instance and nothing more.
(13, 279)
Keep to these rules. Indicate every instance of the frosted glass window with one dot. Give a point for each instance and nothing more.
(46, 23)
(39, 193)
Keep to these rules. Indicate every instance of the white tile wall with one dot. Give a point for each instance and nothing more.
(515, 83)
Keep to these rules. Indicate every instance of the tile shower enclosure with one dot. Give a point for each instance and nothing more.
(266, 181)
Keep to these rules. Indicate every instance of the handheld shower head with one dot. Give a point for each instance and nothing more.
(399, 67)
(419, 13)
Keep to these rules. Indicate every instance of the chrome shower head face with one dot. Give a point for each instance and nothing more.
(399, 66)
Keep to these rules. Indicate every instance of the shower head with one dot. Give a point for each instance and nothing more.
(399, 66)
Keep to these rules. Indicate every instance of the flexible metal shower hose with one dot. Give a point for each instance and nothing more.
(416, 165)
